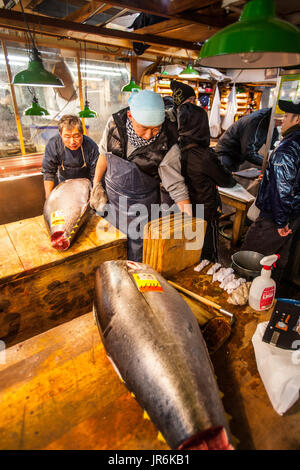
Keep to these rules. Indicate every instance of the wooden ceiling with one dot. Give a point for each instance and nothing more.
(184, 25)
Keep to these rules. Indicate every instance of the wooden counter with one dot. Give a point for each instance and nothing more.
(59, 391)
(41, 287)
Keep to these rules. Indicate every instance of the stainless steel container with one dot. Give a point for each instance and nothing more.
(247, 264)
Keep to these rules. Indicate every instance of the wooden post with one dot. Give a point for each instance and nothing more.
(271, 126)
(133, 68)
(80, 89)
(13, 95)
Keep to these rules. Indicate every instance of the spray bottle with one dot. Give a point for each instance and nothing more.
(262, 290)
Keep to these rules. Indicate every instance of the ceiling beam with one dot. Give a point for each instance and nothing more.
(106, 47)
(153, 7)
(117, 15)
(66, 28)
(178, 6)
(87, 11)
(26, 4)
(162, 27)
(178, 28)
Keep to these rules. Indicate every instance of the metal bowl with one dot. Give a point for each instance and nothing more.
(247, 263)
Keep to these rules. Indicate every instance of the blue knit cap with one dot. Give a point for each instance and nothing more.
(147, 107)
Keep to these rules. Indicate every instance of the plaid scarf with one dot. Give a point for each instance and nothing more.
(134, 139)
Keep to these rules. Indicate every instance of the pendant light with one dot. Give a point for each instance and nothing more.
(35, 74)
(130, 86)
(258, 40)
(189, 72)
(86, 112)
(36, 109)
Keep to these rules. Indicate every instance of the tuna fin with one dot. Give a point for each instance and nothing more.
(145, 415)
(211, 439)
(161, 438)
(115, 367)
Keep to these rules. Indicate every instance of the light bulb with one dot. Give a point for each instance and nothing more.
(251, 57)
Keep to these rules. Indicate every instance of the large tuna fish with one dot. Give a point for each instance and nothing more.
(154, 341)
(65, 210)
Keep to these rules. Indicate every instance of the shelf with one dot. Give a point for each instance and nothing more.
(195, 82)
(165, 92)
(243, 100)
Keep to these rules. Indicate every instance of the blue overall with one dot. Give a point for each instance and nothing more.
(61, 163)
(124, 179)
(69, 172)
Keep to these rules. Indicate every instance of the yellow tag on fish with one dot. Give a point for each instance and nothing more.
(57, 218)
(147, 282)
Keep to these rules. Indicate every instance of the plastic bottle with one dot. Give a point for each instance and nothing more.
(263, 287)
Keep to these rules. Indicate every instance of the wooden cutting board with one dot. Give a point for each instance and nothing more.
(168, 243)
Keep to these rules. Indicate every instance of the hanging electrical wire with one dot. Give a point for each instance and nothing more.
(35, 74)
(86, 112)
(131, 85)
(35, 109)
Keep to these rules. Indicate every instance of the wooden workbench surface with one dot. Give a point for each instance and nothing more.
(59, 391)
(41, 287)
(25, 245)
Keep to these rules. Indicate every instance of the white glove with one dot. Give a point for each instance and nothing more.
(98, 198)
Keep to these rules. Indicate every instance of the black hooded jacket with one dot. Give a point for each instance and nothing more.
(244, 138)
(200, 165)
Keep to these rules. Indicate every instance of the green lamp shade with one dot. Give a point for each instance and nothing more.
(130, 86)
(36, 109)
(36, 75)
(257, 40)
(87, 112)
(189, 72)
(164, 72)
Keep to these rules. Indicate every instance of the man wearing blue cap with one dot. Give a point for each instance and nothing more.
(279, 194)
(138, 151)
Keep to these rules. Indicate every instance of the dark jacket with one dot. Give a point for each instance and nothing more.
(200, 165)
(56, 152)
(244, 138)
(279, 193)
(147, 158)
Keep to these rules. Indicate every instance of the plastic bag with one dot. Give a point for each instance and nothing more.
(231, 110)
(214, 118)
(279, 370)
(253, 212)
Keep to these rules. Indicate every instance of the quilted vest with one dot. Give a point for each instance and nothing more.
(147, 158)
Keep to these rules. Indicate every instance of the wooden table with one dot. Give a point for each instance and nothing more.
(241, 201)
(41, 287)
(59, 391)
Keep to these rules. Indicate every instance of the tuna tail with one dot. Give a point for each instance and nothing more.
(59, 240)
(212, 439)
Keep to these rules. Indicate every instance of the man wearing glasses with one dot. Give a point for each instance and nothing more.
(69, 154)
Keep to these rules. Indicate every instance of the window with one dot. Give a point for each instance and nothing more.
(104, 81)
